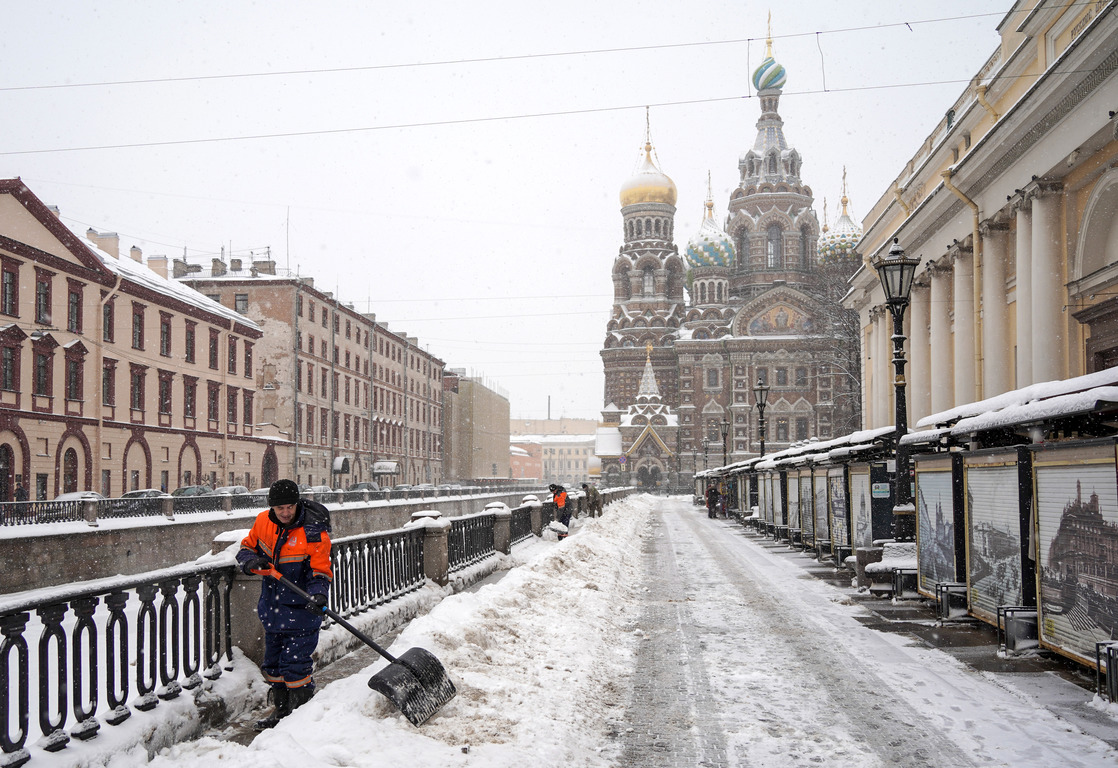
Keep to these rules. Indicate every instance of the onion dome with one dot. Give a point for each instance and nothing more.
(649, 184)
(769, 75)
(710, 247)
(837, 245)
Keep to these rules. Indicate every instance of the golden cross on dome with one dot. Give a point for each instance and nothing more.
(769, 39)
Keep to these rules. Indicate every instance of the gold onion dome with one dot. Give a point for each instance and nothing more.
(649, 184)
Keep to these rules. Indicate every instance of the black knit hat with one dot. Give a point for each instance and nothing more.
(283, 492)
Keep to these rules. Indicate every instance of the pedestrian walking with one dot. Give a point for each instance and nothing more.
(712, 500)
(292, 536)
(562, 508)
(593, 500)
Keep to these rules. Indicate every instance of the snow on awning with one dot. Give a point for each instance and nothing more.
(386, 467)
(1039, 411)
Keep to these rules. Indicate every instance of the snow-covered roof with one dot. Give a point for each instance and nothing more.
(1038, 411)
(141, 274)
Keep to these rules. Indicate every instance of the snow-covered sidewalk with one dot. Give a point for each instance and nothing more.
(655, 636)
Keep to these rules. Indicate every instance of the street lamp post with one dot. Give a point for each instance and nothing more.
(725, 431)
(706, 449)
(896, 272)
(761, 393)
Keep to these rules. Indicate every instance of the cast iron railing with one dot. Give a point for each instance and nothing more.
(470, 540)
(171, 626)
(372, 569)
(31, 512)
(520, 526)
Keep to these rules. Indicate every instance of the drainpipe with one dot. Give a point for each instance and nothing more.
(980, 92)
(976, 279)
(99, 381)
(900, 200)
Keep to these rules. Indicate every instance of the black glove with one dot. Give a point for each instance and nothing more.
(255, 563)
(316, 603)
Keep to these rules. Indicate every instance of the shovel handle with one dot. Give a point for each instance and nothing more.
(271, 571)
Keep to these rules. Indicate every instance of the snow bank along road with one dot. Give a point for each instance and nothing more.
(654, 636)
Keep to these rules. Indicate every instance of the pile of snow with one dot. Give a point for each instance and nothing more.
(894, 555)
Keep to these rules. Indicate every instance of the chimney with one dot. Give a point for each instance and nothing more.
(218, 268)
(109, 242)
(137, 254)
(178, 268)
(158, 265)
(266, 267)
(55, 210)
(234, 265)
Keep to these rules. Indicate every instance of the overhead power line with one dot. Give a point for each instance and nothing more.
(499, 59)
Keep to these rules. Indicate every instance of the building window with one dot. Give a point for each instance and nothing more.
(165, 378)
(232, 354)
(805, 250)
(70, 471)
(324, 317)
(347, 390)
(74, 308)
(782, 430)
(246, 411)
(189, 396)
(240, 302)
(299, 377)
(9, 288)
(782, 377)
(310, 379)
(108, 382)
(347, 329)
(42, 296)
(213, 392)
(137, 326)
(231, 405)
(43, 369)
(164, 334)
(108, 321)
(74, 383)
(138, 377)
(763, 376)
(325, 382)
(801, 376)
(323, 424)
(189, 341)
(9, 368)
(801, 428)
(298, 305)
(248, 360)
(310, 424)
(214, 344)
(774, 246)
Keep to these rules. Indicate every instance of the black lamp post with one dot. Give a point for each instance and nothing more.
(725, 431)
(761, 393)
(897, 272)
(706, 450)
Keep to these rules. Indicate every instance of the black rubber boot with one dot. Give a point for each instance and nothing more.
(300, 696)
(281, 697)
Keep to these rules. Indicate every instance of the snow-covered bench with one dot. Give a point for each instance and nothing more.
(895, 556)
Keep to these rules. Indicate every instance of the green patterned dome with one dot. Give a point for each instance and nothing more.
(769, 75)
(837, 245)
(710, 247)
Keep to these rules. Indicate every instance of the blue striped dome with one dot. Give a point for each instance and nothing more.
(769, 75)
(710, 247)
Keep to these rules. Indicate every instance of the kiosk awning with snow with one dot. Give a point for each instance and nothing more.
(386, 467)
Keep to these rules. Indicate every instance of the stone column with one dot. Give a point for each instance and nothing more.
(436, 554)
(963, 309)
(919, 353)
(1024, 294)
(882, 379)
(1049, 327)
(997, 356)
(939, 335)
(502, 530)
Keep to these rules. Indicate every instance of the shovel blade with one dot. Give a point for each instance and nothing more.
(416, 683)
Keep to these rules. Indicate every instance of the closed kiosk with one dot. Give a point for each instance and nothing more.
(940, 521)
(780, 515)
(792, 495)
(838, 513)
(821, 508)
(807, 506)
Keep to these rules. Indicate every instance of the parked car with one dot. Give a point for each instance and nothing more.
(146, 493)
(79, 496)
(402, 487)
(319, 489)
(229, 490)
(423, 487)
(364, 487)
(192, 490)
(261, 492)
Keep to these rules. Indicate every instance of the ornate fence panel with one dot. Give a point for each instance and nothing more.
(188, 504)
(372, 569)
(29, 512)
(171, 626)
(520, 527)
(129, 508)
(470, 540)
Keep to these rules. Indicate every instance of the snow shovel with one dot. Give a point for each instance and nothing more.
(415, 682)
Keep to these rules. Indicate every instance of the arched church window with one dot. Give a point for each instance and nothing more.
(712, 377)
(719, 299)
(630, 230)
(773, 163)
(649, 281)
(648, 227)
(639, 228)
(702, 293)
(805, 254)
(774, 246)
(657, 227)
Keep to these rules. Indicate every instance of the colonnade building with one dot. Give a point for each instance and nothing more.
(1011, 205)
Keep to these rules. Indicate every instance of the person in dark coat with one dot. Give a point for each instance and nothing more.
(293, 537)
(562, 508)
(712, 500)
(593, 500)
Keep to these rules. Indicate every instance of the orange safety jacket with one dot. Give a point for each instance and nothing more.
(561, 499)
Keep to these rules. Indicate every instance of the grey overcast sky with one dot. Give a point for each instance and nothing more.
(454, 167)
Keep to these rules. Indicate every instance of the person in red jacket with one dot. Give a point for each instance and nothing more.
(293, 537)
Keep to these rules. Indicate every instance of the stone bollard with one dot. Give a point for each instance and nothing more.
(436, 555)
(89, 512)
(227, 504)
(246, 630)
(502, 530)
(167, 507)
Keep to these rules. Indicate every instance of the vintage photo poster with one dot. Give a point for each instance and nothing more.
(836, 491)
(935, 531)
(861, 508)
(763, 496)
(793, 501)
(994, 539)
(822, 529)
(778, 499)
(807, 507)
(1077, 544)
